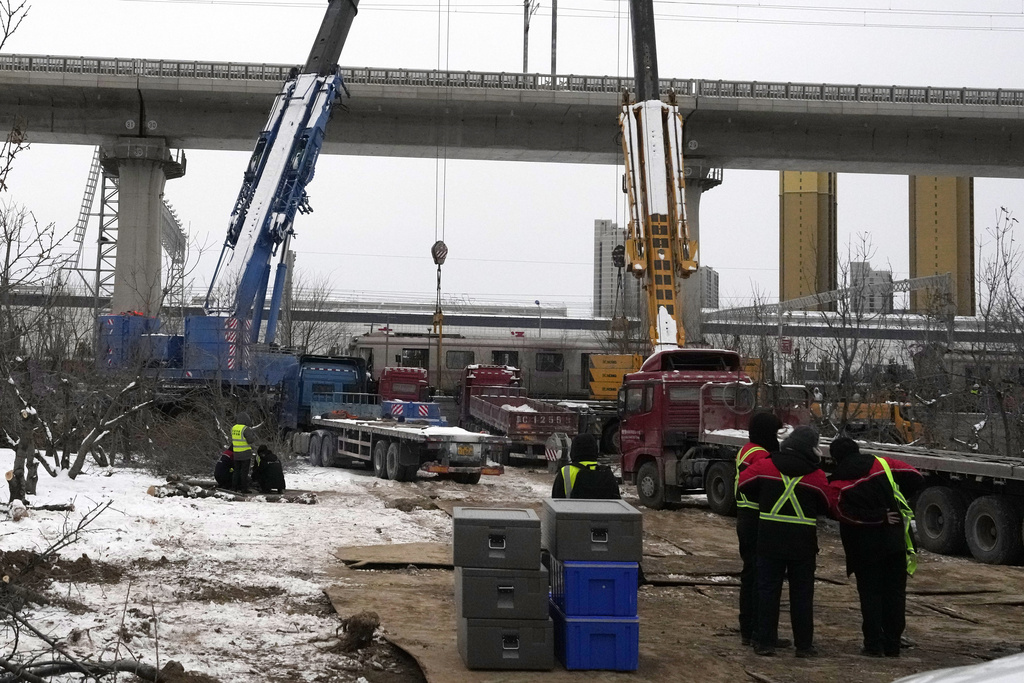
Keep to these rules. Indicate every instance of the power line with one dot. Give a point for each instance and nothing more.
(736, 7)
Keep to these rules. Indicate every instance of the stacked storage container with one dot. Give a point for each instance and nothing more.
(501, 590)
(595, 548)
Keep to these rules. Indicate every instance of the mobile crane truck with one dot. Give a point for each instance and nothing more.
(234, 345)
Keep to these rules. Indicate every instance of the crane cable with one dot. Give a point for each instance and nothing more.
(441, 159)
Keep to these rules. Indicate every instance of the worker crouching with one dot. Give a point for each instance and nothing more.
(791, 492)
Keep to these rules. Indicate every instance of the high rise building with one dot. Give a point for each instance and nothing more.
(708, 287)
(607, 235)
(863, 300)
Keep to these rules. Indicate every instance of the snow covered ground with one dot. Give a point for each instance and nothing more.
(231, 589)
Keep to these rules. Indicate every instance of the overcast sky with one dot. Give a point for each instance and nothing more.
(518, 231)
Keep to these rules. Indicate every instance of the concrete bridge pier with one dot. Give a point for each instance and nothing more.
(699, 179)
(142, 167)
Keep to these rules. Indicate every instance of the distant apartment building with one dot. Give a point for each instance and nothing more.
(862, 278)
(608, 235)
(708, 287)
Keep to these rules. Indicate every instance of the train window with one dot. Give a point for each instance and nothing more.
(585, 371)
(505, 358)
(415, 358)
(548, 361)
(456, 360)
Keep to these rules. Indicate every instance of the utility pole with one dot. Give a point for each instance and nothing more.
(529, 7)
(554, 34)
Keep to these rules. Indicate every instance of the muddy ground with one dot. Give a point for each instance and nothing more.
(959, 611)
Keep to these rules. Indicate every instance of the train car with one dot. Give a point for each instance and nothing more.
(555, 366)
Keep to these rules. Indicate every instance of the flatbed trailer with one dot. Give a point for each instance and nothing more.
(971, 502)
(397, 450)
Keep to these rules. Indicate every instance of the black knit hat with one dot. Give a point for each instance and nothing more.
(803, 440)
(764, 429)
(584, 447)
(843, 447)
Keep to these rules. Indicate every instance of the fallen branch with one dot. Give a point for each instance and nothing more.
(55, 507)
(186, 490)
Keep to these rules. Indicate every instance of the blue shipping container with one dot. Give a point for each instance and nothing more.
(600, 589)
(597, 643)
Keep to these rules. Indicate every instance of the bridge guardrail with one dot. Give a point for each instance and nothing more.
(823, 92)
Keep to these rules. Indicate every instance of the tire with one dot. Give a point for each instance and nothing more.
(328, 450)
(940, 513)
(392, 462)
(718, 485)
(314, 450)
(466, 478)
(650, 487)
(380, 450)
(993, 530)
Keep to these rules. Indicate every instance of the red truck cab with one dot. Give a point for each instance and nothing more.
(665, 409)
(403, 384)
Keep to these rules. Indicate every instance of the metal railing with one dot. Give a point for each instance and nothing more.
(822, 92)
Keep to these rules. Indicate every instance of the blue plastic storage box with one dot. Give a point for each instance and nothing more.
(597, 643)
(599, 589)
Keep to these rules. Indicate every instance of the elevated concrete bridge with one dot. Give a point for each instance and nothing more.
(527, 117)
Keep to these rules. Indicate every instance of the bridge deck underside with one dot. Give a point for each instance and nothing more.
(527, 124)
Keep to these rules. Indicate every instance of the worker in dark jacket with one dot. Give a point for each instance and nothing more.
(791, 492)
(763, 433)
(876, 538)
(584, 477)
(241, 447)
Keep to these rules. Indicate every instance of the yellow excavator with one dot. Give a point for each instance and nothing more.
(659, 250)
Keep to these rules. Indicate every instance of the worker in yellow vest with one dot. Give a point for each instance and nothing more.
(791, 492)
(584, 477)
(763, 433)
(241, 447)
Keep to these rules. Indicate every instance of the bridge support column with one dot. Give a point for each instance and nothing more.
(691, 290)
(942, 238)
(807, 233)
(141, 166)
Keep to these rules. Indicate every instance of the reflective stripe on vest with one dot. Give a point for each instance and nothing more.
(741, 500)
(239, 446)
(789, 495)
(569, 473)
(906, 513)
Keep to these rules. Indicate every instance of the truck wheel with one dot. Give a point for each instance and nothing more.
(718, 484)
(380, 450)
(327, 450)
(466, 477)
(649, 486)
(314, 450)
(993, 530)
(392, 466)
(940, 514)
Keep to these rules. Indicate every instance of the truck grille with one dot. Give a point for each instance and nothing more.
(684, 417)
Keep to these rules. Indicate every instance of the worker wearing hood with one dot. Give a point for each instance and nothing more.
(791, 492)
(763, 433)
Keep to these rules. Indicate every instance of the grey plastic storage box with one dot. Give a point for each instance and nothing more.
(501, 593)
(507, 643)
(592, 530)
(496, 538)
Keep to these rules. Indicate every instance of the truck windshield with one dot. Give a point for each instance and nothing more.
(709, 362)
